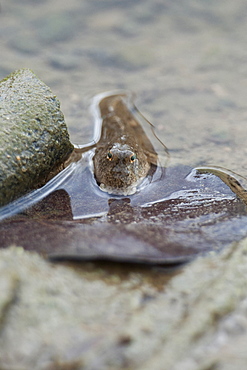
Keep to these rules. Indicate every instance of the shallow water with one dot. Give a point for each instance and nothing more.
(185, 61)
(176, 213)
(194, 215)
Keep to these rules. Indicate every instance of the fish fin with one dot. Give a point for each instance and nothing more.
(236, 183)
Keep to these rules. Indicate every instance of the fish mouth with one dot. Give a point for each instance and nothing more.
(127, 190)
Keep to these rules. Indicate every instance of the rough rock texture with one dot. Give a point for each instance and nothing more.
(95, 316)
(34, 138)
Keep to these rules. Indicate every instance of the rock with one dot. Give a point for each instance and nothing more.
(94, 316)
(34, 139)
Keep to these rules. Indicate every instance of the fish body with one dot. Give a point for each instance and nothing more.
(122, 156)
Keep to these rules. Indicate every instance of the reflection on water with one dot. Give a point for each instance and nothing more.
(175, 214)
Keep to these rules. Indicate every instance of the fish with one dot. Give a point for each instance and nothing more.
(123, 155)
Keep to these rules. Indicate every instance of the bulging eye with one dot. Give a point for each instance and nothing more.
(132, 158)
(109, 156)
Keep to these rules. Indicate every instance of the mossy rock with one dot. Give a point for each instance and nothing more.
(34, 139)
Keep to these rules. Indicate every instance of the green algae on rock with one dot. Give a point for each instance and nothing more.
(34, 139)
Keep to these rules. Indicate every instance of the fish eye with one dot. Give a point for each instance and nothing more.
(109, 156)
(132, 158)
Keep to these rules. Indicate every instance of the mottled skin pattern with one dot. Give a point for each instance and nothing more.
(124, 154)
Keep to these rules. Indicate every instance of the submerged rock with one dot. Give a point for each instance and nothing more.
(34, 138)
